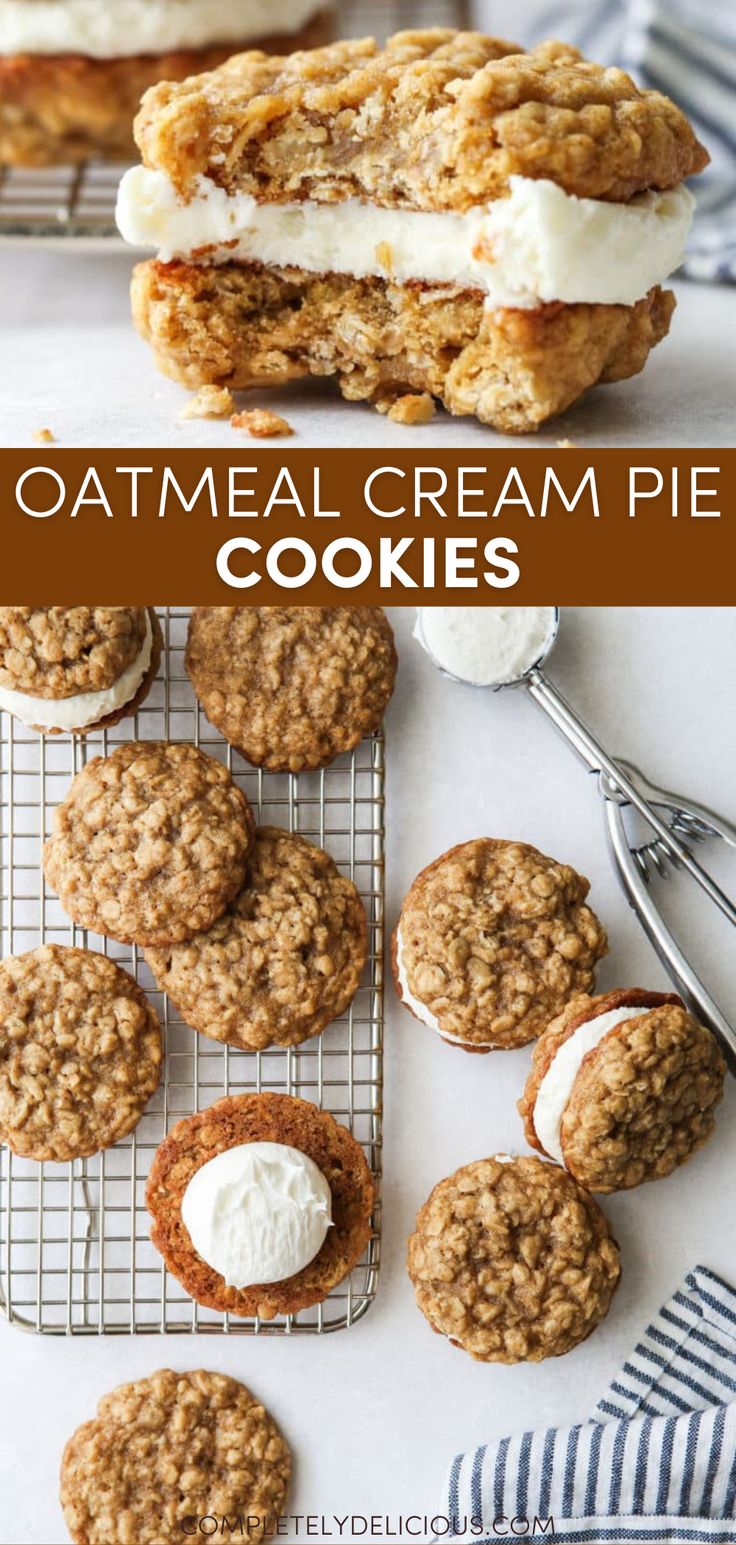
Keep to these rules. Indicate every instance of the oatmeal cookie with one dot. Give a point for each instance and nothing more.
(634, 1094)
(80, 1053)
(60, 654)
(169, 1450)
(283, 961)
(246, 326)
(292, 686)
(492, 939)
(262, 1118)
(512, 1260)
(150, 844)
(437, 119)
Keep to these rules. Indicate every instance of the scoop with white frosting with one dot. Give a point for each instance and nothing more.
(258, 1213)
(486, 646)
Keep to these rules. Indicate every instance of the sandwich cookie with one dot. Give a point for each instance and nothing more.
(72, 670)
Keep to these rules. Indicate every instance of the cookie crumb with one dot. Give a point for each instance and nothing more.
(210, 402)
(413, 408)
(43, 437)
(566, 445)
(261, 423)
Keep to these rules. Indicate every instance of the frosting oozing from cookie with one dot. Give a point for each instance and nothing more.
(559, 1080)
(83, 709)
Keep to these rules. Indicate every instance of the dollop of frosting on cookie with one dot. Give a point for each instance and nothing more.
(258, 1213)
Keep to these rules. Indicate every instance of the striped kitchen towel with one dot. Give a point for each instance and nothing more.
(686, 48)
(656, 1461)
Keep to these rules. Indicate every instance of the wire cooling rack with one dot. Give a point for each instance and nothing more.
(75, 1256)
(77, 204)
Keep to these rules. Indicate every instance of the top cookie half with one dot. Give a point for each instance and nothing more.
(436, 120)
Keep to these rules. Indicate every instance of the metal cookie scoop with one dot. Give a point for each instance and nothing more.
(674, 821)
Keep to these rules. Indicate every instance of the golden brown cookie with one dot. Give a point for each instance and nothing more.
(435, 119)
(283, 961)
(632, 1097)
(65, 108)
(168, 1451)
(512, 1260)
(262, 1118)
(242, 325)
(292, 686)
(80, 1053)
(150, 844)
(492, 939)
(60, 654)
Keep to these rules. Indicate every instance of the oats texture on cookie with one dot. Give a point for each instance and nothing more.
(80, 1053)
(283, 961)
(169, 1450)
(262, 1118)
(512, 1260)
(493, 938)
(150, 844)
(623, 1088)
(292, 686)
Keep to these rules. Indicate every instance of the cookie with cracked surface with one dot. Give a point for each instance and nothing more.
(262, 1118)
(243, 326)
(435, 119)
(150, 844)
(80, 1053)
(623, 1088)
(512, 1260)
(168, 1450)
(292, 686)
(492, 939)
(283, 961)
(79, 668)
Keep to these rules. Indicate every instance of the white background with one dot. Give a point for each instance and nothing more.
(375, 1413)
(73, 364)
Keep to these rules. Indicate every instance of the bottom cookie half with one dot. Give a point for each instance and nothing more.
(247, 326)
(59, 109)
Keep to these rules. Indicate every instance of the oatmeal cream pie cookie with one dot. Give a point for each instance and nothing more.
(150, 844)
(447, 215)
(260, 1205)
(167, 1451)
(74, 669)
(72, 72)
(493, 939)
(623, 1088)
(80, 1053)
(292, 686)
(283, 961)
(512, 1260)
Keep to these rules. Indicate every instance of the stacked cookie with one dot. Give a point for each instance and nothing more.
(72, 72)
(512, 1258)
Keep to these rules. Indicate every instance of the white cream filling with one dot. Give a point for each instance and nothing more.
(420, 1009)
(487, 646)
(258, 1212)
(538, 245)
(110, 29)
(559, 1080)
(86, 708)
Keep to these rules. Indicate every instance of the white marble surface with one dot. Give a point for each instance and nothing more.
(72, 363)
(375, 1413)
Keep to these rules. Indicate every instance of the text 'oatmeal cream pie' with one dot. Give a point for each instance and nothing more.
(292, 686)
(447, 215)
(150, 844)
(167, 1451)
(623, 1088)
(493, 939)
(260, 1205)
(512, 1260)
(283, 961)
(80, 1053)
(75, 669)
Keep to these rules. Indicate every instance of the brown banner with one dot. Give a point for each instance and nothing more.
(642, 527)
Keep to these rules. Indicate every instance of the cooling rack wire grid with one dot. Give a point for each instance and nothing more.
(75, 1256)
(77, 204)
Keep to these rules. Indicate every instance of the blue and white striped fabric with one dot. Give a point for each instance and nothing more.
(685, 48)
(656, 1460)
